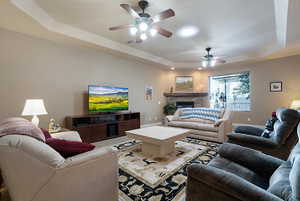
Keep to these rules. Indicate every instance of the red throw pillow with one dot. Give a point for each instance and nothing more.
(46, 133)
(68, 148)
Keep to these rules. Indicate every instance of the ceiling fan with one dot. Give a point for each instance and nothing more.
(144, 24)
(210, 60)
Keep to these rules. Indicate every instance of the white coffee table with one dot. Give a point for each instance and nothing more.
(158, 141)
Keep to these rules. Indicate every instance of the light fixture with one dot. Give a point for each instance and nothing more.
(213, 62)
(295, 104)
(172, 68)
(34, 107)
(143, 26)
(188, 31)
(153, 32)
(199, 68)
(143, 36)
(209, 63)
(133, 31)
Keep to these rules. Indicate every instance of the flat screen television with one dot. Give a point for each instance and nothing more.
(107, 99)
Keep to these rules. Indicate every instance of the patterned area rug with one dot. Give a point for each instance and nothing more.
(157, 179)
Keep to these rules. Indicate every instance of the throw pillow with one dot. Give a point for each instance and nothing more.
(69, 148)
(46, 133)
(13, 119)
(20, 126)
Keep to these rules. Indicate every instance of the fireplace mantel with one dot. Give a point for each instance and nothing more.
(199, 99)
(186, 94)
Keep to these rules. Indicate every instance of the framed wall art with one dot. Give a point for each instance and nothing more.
(276, 86)
(183, 83)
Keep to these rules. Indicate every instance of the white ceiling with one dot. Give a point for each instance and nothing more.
(238, 30)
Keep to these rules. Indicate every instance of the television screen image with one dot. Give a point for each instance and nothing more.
(107, 99)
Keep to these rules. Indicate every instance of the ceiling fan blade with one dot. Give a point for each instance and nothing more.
(220, 61)
(127, 26)
(163, 32)
(135, 41)
(163, 15)
(130, 10)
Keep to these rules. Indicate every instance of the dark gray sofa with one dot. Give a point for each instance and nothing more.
(243, 174)
(282, 140)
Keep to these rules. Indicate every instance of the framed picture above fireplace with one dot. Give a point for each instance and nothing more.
(184, 83)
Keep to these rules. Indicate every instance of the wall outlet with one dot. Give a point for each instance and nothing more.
(249, 119)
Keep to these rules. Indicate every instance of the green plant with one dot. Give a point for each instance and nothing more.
(169, 109)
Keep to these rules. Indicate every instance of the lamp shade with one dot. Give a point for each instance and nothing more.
(295, 104)
(34, 107)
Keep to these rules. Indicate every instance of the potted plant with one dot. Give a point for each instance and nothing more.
(169, 109)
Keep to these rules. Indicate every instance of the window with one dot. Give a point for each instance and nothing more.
(230, 91)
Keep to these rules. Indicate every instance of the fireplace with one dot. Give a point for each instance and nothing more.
(181, 99)
(184, 104)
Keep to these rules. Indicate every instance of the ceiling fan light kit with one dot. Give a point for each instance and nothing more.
(210, 60)
(144, 24)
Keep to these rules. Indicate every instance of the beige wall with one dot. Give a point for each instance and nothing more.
(60, 74)
(262, 73)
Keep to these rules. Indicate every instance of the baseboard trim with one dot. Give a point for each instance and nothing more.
(152, 124)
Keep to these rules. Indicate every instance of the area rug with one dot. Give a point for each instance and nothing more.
(159, 179)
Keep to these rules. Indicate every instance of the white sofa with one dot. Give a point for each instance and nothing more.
(33, 171)
(203, 130)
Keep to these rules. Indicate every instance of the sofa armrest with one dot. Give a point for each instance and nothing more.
(67, 135)
(227, 183)
(261, 163)
(250, 139)
(89, 176)
(251, 130)
(169, 118)
(86, 157)
(225, 127)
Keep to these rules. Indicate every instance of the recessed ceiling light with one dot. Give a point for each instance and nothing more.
(172, 68)
(188, 31)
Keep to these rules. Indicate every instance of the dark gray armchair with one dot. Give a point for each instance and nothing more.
(281, 140)
(243, 174)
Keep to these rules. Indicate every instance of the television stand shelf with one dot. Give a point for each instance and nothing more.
(95, 128)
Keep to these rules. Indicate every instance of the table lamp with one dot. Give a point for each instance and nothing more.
(295, 104)
(34, 107)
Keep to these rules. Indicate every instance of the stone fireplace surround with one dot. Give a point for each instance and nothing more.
(199, 99)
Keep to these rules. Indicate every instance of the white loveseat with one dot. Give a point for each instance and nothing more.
(33, 171)
(202, 129)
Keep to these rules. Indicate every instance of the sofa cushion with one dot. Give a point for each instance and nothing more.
(194, 125)
(288, 120)
(20, 126)
(241, 171)
(69, 148)
(201, 113)
(295, 178)
(280, 183)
